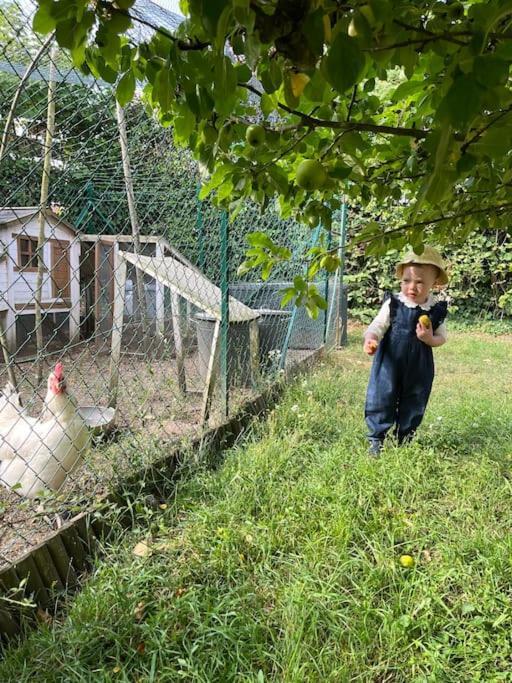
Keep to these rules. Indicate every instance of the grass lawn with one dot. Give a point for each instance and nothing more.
(283, 564)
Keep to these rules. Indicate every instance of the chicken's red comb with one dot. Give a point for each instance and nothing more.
(59, 371)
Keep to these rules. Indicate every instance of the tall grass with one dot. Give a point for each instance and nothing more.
(283, 563)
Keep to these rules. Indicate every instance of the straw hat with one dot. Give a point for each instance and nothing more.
(431, 257)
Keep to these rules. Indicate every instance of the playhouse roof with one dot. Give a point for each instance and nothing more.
(22, 214)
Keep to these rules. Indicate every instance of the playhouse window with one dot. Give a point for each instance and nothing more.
(27, 252)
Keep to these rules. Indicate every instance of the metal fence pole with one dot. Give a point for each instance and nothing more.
(342, 313)
(224, 327)
(326, 293)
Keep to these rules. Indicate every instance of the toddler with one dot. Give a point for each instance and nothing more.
(403, 368)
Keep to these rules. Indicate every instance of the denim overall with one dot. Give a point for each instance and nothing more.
(402, 374)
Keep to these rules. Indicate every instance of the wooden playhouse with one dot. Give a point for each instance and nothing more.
(19, 230)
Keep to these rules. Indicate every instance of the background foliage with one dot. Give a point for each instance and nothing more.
(480, 278)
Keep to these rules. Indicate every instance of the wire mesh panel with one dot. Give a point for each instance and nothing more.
(123, 323)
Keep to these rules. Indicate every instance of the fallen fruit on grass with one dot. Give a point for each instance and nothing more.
(407, 561)
(425, 321)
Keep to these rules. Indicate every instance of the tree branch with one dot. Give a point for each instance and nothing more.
(449, 37)
(488, 209)
(352, 102)
(184, 45)
(312, 122)
(480, 132)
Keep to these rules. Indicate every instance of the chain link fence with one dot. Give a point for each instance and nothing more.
(123, 323)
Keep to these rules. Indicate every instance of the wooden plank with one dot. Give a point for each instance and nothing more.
(191, 285)
(74, 547)
(117, 329)
(9, 582)
(211, 375)
(62, 561)
(178, 341)
(97, 286)
(9, 626)
(254, 350)
(47, 569)
(160, 297)
(83, 526)
(46, 305)
(9, 579)
(27, 568)
(60, 273)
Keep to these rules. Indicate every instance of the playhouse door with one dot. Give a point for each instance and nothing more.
(60, 269)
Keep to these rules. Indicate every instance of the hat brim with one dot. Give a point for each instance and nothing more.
(442, 278)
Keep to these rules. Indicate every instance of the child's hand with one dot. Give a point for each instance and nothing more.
(425, 334)
(370, 346)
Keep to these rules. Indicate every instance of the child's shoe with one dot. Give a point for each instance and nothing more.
(375, 448)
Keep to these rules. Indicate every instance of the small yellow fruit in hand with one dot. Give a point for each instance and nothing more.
(425, 321)
(407, 561)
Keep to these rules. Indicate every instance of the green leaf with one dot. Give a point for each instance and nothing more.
(314, 31)
(119, 23)
(43, 22)
(243, 73)
(260, 239)
(407, 89)
(184, 123)
(225, 82)
(434, 185)
(490, 71)
(125, 88)
(494, 143)
(163, 89)
(461, 103)
(65, 33)
(344, 63)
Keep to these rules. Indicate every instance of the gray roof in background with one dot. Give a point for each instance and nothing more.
(10, 214)
(154, 14)
(146, 10)
(15, 213)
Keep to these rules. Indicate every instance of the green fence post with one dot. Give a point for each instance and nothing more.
(342, 313)
(224, 311)
(326, 292)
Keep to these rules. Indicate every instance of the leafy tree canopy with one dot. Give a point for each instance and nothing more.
(400, 107)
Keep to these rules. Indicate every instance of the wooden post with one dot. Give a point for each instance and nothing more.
(19, 90)
(254, 349)
(97, 288)
(211, 375)
(74, 313)
(117, 327)
(159, 295)
(128, 181)
(178, 340)
(45, 184)
(224, 314)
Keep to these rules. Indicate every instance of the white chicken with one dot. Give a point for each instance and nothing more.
(11, 409)
(37, 455)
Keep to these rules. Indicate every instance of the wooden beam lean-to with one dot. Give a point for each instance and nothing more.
(196, 289)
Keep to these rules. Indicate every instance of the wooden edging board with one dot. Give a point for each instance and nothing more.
(60, 563)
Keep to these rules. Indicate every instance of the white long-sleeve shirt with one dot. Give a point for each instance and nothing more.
(380, 324)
